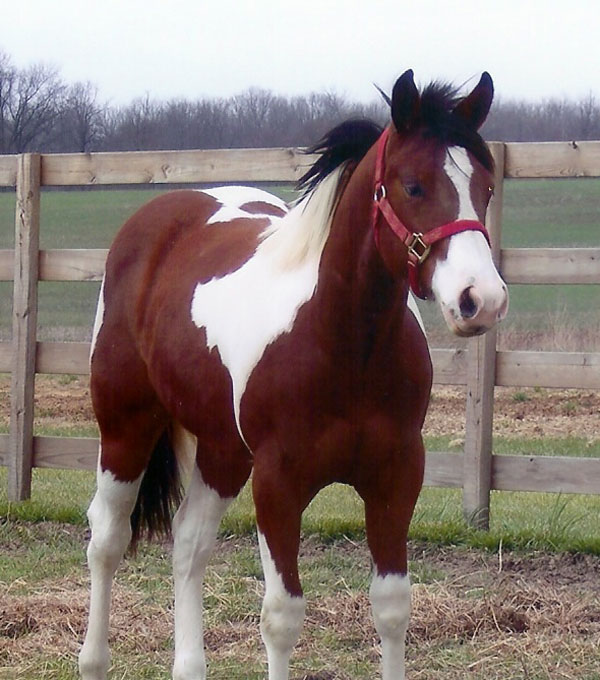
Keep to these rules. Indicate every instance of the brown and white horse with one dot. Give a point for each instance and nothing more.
(237, 335)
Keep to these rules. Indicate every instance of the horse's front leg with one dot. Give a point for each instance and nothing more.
(390, 499)
(278, 514)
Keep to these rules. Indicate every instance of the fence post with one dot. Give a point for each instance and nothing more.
(27, 237)
(481, 379)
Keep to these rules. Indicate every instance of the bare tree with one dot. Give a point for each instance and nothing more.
(589, 117)
(135, 127)
(250, 111)
(8, 77)
(33, 107)
(81, 121)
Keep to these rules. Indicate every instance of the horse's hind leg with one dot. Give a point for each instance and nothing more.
(109, 518)
(195, 528)
(130, 424)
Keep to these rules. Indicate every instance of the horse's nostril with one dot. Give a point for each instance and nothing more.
(468, 305)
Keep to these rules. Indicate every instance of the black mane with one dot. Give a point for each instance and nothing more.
(348, 142)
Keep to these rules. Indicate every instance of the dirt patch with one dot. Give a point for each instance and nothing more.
(63, 401)
(524, 412)
(531, 607)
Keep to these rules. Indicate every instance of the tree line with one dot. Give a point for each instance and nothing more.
(40, 112)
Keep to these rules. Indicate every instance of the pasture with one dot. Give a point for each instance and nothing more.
(520, 601)
(547, 212)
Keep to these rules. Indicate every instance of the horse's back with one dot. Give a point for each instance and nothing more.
(183, 235)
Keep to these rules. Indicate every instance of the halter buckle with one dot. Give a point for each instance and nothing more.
(380, 193)
(418, 250)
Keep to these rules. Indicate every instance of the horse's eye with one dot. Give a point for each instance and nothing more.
(413, 189)
(490, 191)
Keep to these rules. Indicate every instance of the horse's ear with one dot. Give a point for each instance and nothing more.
(474, 108)
(406, 102)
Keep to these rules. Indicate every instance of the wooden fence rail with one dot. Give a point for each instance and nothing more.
(477, 470)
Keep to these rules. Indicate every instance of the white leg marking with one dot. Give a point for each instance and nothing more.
(281, 618)
(390, 601)
(185, 445)
(108, 516)
(194, 529)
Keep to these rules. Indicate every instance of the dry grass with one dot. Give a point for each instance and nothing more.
(480, 623)
(558, 333)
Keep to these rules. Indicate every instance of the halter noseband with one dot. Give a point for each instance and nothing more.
(417, 244)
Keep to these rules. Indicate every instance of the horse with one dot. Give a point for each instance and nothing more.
(235, 334)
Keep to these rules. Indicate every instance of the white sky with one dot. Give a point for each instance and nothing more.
(533, 49)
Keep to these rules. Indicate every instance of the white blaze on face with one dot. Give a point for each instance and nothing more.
(468, 264)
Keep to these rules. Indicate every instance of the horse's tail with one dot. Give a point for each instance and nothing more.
(161, 490)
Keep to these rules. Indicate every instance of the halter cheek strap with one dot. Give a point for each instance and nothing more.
(417, 244)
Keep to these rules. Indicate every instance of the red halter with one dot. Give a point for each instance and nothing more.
(418, 244)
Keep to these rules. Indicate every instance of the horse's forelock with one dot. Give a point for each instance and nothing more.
(438, 101)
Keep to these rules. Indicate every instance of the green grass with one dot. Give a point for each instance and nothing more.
(552, 213)
(523, 521)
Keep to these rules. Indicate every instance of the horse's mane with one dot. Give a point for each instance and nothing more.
(302, 233)
(347, 143)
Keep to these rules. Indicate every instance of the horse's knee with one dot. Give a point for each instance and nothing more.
(281, 620)
(109, 518)
(390, 602)
(282, 614)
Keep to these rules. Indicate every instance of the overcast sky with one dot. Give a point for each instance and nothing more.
(533, 49)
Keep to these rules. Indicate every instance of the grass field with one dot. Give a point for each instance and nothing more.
(552, 213)
(559, 523)
(490, 606)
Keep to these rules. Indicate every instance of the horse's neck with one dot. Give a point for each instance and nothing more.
(357, 291)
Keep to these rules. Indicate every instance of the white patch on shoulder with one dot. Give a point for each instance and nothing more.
(227, 213)
(250, 308)
(247, 310)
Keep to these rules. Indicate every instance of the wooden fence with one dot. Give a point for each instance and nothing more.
(477, 470)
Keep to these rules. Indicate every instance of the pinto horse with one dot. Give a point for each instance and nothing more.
(234, 335)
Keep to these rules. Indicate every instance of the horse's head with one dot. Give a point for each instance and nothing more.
(435, 181)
